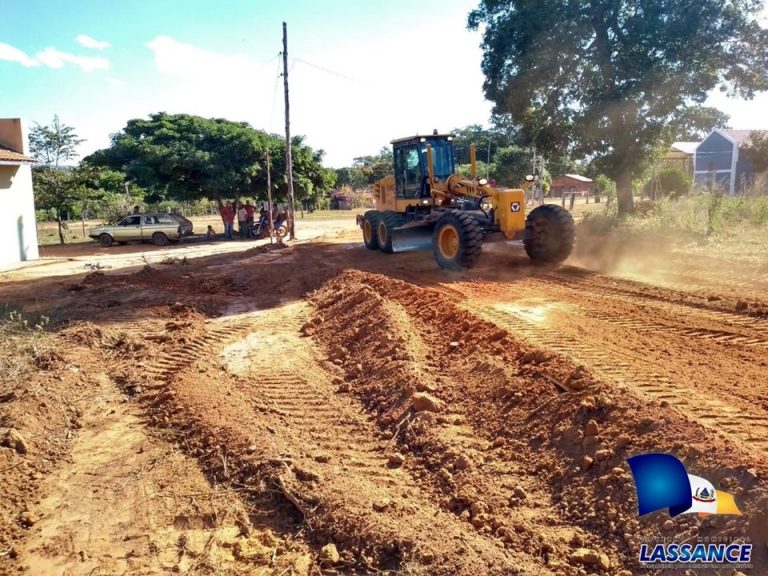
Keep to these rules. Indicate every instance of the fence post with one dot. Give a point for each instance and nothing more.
(573, 199)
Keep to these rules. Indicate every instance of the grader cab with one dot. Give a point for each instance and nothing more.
(462, 213)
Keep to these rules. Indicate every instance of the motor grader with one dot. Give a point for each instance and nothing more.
(462, 213)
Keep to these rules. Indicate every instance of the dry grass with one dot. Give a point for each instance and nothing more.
(24, 347)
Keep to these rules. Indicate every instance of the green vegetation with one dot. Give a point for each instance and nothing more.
(694, 216)
(54, 184)
(23, 344)
(189, 158)
(616, 80)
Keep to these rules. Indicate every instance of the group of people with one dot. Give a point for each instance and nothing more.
(245, 217)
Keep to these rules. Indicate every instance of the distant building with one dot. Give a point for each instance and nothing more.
(680, 155)
(571, 183)
(720, 160)
(18, 232)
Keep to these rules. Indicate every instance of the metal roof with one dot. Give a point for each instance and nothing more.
(427, 136)
(686, 147)
(578, 177)
(742, 137)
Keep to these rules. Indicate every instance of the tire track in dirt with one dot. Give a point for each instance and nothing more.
(353, 453)
(674, 301)
(749, 431)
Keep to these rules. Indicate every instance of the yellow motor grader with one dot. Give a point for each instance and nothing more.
(462, 213)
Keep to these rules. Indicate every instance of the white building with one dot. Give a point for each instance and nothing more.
(18, 231)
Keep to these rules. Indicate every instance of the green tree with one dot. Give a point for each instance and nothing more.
(188, 158)
(185, 157)
(53, 182)
(613, 78)
(757, 152)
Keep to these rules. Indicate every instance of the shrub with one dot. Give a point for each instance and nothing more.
(674, 182)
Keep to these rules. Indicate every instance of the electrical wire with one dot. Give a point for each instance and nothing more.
(332, 72)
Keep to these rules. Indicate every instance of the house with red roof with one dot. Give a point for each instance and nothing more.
(570, 184)
(720, 160)
(18, 230)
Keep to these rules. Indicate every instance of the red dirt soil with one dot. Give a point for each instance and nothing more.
(326, 409)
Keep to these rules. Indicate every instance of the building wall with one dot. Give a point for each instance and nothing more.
(13, 136)
(18, 228)
(714, 162)
(18, 232)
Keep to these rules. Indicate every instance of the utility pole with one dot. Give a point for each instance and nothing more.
(288, 155)
(269, 201)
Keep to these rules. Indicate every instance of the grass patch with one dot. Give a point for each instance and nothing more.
(704, 215)
(24, 347)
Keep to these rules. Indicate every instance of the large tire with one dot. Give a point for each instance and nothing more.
(549, 234)
(106, 240)
(159, 238)
(385, 228)
(370, 222)
(457, 241)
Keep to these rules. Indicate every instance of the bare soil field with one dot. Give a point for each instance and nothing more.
(324, 409)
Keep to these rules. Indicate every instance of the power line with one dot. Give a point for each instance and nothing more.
(332, 72)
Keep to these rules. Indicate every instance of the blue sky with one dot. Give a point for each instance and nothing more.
(362, 73)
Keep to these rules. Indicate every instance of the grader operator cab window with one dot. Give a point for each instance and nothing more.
(411, 165)
(409, 172)
(442, 157)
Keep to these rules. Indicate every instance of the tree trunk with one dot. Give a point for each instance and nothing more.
(626, 203)
(58, 221)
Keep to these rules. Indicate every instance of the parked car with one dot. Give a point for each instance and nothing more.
(186, 225)
(159, 228)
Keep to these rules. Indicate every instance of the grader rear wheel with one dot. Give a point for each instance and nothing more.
(457, 241)
(370, 222)
(549, 234)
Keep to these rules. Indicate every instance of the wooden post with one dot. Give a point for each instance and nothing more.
(269, 201)
(288, 155)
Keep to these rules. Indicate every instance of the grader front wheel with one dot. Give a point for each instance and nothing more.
(457, 241)
(549, 234)
(385, 230)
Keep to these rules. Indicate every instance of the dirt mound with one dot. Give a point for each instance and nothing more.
(550, 437)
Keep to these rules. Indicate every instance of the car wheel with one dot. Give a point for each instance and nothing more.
(105, 240)
(159, 238)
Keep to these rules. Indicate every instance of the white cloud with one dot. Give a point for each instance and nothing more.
(11, 54)
(342, 109)
(180, 60)
(52, 58)
(56, 59)
(88, 42)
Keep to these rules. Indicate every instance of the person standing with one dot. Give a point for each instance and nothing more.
(228, 217)
(250, 209)
(242, 220)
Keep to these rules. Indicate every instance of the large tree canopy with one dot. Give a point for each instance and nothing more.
(187, 158)
(614, 79)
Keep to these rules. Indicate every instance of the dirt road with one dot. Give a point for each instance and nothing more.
(325, 409)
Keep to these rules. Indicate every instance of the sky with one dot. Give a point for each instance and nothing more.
(361, 73)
